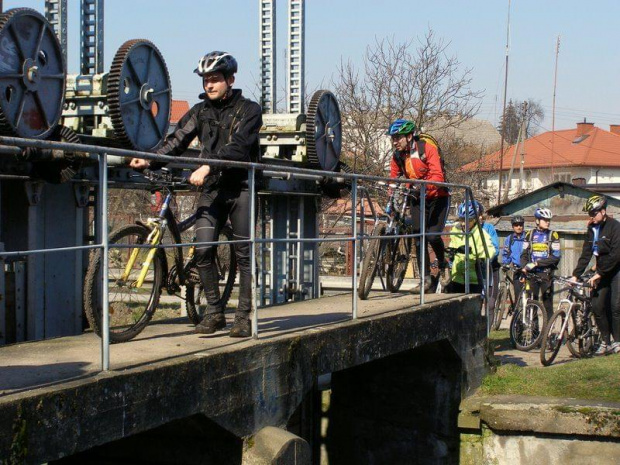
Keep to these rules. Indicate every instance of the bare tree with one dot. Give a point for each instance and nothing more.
(400, 80)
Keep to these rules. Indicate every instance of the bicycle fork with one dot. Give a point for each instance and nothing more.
(153, 238)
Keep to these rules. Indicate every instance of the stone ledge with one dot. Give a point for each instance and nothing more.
(548, 415)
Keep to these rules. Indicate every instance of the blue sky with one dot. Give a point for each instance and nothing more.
(588, 70)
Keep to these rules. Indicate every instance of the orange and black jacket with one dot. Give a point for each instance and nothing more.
(410, 165)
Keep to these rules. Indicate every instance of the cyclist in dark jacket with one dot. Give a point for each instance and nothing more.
(227, 125)
(603, 242)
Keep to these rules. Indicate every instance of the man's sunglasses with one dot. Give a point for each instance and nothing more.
(593, 213)
(517, 225)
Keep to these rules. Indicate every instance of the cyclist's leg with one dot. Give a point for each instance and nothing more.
(615, 307)
(211, 216)
(546, 290)
(437, 213)
(601, 297)
(240, 221)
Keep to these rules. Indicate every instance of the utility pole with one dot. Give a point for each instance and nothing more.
(555, 82)
(501, 150)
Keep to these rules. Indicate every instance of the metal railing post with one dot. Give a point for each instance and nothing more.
(487, 292)
(252, 187)
(423, 246)
(467, 200)
(105, 314)
(354, 230)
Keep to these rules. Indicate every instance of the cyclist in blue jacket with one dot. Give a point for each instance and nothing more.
(541, 255)
(513, 246)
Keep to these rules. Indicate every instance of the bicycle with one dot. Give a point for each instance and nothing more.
(573, 324)
(137, 275)
(528, 319)
(386, 256)
(505, 302)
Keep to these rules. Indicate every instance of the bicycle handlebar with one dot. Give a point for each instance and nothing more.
(164, 177)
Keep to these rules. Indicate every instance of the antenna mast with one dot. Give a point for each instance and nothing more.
(501, 150)
(555, 82)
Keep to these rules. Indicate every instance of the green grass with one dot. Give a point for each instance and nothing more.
(591, 378)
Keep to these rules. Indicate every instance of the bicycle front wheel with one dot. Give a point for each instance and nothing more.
(130, 308)
(553, 338)
(398, 253)
(370, 262)
(226, 264)
(526, 326)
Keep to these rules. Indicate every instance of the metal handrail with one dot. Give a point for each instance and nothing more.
(100, 154)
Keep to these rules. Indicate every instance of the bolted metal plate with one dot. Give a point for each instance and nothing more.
(32, 75)
(323, 131)
(139, 95)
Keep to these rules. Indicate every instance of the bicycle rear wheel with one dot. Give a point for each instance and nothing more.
(526, 329)
(226, 263)
(590, 340)
(502, 305)
(130, 308)
(553, 338)
(398, 252)
(370, 262)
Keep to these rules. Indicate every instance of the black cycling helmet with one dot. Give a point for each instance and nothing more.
(517, 219)
(217, 61)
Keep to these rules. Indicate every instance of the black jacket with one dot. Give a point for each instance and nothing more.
(227, 130)
(608, 260)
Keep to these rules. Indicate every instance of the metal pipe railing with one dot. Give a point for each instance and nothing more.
(11, 144)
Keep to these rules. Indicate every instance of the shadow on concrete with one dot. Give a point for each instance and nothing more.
(12, 377)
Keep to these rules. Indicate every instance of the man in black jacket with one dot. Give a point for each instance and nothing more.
(604, 243)
(227, 125)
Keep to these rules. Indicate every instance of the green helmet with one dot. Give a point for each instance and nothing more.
(401, 126)
(596, 202)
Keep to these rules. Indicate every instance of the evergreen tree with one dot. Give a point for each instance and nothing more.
(509, 123)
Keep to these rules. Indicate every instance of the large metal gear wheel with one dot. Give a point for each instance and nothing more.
(32, 75)
(139, 95)
(323, 131)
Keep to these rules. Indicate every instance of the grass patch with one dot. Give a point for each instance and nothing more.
(591, 378)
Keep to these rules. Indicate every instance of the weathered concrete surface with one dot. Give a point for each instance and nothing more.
(241, 386)
(525, 430)
(275, 446)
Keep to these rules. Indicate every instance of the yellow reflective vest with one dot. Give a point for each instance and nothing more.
(477, 239)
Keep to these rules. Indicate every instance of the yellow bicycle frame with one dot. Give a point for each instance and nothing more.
(154, 238)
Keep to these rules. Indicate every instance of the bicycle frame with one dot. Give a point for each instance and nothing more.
(158, 225)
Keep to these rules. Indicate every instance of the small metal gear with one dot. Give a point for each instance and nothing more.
(32, 75)
(139, 95)
(323, 131)
(59, 171)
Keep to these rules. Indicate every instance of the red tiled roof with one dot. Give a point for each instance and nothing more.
(597, 148)
(179, 108)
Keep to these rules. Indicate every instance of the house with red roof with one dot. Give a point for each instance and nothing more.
(585, 154)
(179, 108)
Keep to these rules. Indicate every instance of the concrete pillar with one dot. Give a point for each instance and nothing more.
(275, 446)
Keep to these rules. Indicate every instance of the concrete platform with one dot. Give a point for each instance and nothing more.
(55, 401)
(39, 364)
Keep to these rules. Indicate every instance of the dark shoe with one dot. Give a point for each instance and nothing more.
(211, 323)
(241, 327)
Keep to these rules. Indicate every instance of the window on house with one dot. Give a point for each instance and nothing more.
(561, 177)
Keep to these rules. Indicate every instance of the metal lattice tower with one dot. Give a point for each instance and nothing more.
(268, 55)
(296, 60)
(56, 14)
(91, 44)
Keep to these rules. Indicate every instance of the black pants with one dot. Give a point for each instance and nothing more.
(606, 308)
(215, 207)
(543, 288)
(435, 221)
(458, 288)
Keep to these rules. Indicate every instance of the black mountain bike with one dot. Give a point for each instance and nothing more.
(573, 324)
(137, 275)
(388, 257)
(506, 299)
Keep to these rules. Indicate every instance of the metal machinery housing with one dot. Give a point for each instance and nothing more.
(45, 199)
